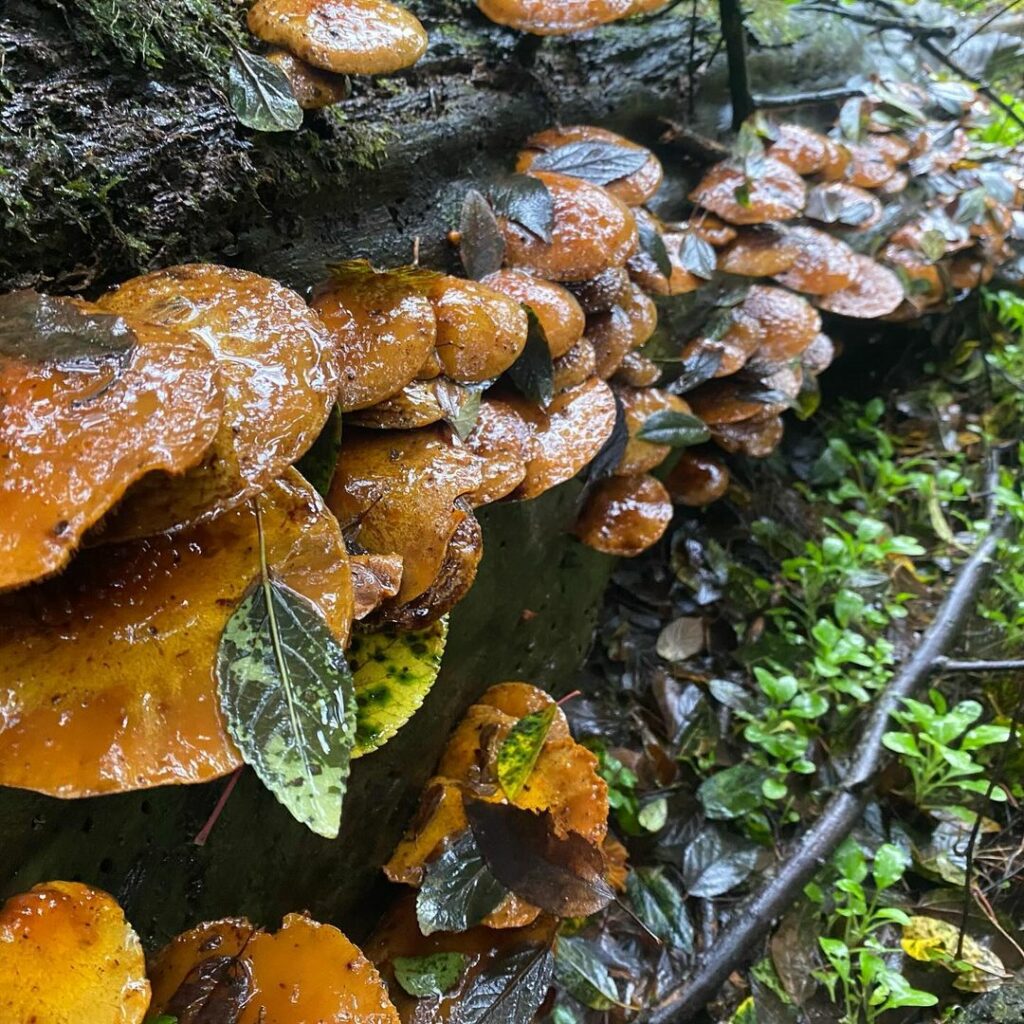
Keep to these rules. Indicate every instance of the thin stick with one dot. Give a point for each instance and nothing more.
(985, 24)
(204, 833)
(805, 99)
(730, 17)
(980, 665)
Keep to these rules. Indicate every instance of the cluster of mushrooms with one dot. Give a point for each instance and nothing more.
(70, 955)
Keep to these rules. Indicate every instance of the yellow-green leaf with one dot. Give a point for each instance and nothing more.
(518, 754)
(978, 969)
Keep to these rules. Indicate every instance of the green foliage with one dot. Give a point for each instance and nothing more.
(634, 815)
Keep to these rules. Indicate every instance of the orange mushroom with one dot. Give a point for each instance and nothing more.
(305, 971)
(349, 37)
(775, 192)
(68, 957)
(147, 714)
(876, 292)
(625, 515)
(621, 329)
(416, 405)
(638, 371)
(743, 333)
(697, 479)
(543, 18)
(312, 87)
(375, 578)
(606, 290)
(823, 264)
(869, 168)
(278, 371)
(818, 356)
(789, 322)
(756, 437)
(710, 228)
(726, 401)
(638, 406)
(759, 251)
(504, 441)
(556, 308)
(803, 149)
(576, 366)
(75, 435)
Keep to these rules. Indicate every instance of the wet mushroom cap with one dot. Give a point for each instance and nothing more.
(644, 270)
(818, 356)
(759, 251)
(383, 327)
(147, 714)
(876, 292)
(576, 366)
(306, 971)
(735, 345)
(592, 232)
(823, 264)
(73, 439)
(504, 441)
(604, 291)
(714, 231)
(777, 192)
(726, 401)
(543, 18)
(803, 149)
(625, 515)
(312, 87)
(348, 37)
(375, 578)
(925, 285)
(638, 371)
(555, 307)
(756, 437)
(697, 479)
(868, 167)
(395, 492)
(892, 147)
(480, 331)
(69, 955)
(620, 330)
(416, 405)
(638, 406)
(633, 189)
(837, 161)
(789, 322)
(279, 373)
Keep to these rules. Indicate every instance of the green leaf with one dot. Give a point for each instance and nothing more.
(458, 889)
(45, 329)
(901, 743)
(430, 975)
(582, 975)
(460, 405)
(521, 748)
(481, 243)
(164, 1018)
(597, 162)
(392, 673)
(653, 245)
(260, 94)
(889, 864)
(659, 904)
(526, 201)
(715, 863)
(678, 429)
(533, 373)
(286, 693)
(698, 256)
(853, 117)
(732, 792)
(654, 814)
(510, 990)
(320, 461)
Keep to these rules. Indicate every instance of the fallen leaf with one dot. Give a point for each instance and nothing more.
(681, 639)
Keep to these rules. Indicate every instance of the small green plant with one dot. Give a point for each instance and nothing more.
(937, 746)
(635, 815)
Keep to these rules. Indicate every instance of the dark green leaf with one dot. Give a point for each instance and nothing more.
(48, 329)
(678, 429)
(164, 1018)
(582, 975)
(533, 373)
(697, 369)
(609, 455)
(564, 876)
(510, 990)
(430, 975)
(261, 96)
(460, 404)
(698, 255)
(481, 243)
(715, 863)
(732, 792)
(286, 694)
(598, 162)
(458, 889)
(742, 194)
(522, 746)
(853, 117)
(653, 244)
(320, 461)
(527, 201)
(215, 991)
(659, 904)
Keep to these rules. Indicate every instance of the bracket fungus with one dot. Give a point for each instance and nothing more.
(312, 87)
(697, 479)
(823, 264)
(875, 292)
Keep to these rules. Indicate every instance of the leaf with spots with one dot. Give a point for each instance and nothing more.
(518, 754)
(392, 673)
(429, 975)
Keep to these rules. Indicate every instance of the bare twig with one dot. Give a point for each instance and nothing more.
(979, 665)
(806, 99)
(843, 810)
(730, 16)
(1005, 9)
(204, 833)
(693, 144)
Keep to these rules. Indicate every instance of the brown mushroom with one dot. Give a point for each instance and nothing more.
(644, 270)
(756, 438)
(543, 18)
(312, 87)
(967, 272)
(868, 167)
(383, 327)
(789, 322)
(893, 148)
(620, 330)
(606, 290)
(431, 368)
(375, 578)
(556, 308)
(775, 192)
(349, 37)
(710, 228)
(504, 441)
(592, 232)
(638, 406)
(697, 479)
(837, 160)
(803, 149)
(625, 515)
(818, 356)
(633, 189)
(876, 292)
(823, 264)
(576, 366)
(838, 202)
(923, 284)
(738, 339)
(759, 251)
(415, 406)
(726, 401)
(277, 368)
(895, 184)
(638, 371)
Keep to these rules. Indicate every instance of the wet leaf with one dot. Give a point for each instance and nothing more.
(659, 904)
(582, 975)
(732, 792)
(681, 639)
(430, 975)
(930, 939)
(853, 118)
(460, 404)
(260, 94)
(697, 369)
(44, 329)
(533, 373)
(835, 207)
(715, 863)
(653, 245)
(518, 754)
(358, 269)
(677, 429)
(653, 815)
(527, 201)
(458, 889)
(597, 162)
(215, 991)
(481, 243)
(318, 464)
(697, 255)
(606, 461)
(794, 952)
(286, 694)
(510, 990)
(565, 877)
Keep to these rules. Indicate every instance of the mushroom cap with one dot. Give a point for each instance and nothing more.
(818, 356)
(432, 367)
(576, 366)
(312, 87)
(306, 971)
(620, 330)
(349, 37)
(480, 331)
(837, 160)
(633, 189)
(892, 147)
(868, 167)
(726, 401)
(375, 578)
(790, 323)
(967, 271)
(736, 345)
(557, 309)
(645, 272)
(698, 478)
(382, 325)
(894, 185)
(592, 232)
(777, 192)
(69, 955)
(803, 149)
(876, 292)
(625, 515)
(542, 18)
(415, 406)
(759, 251)
(927, 286)
(504, 441)
(638, 406)
(567, 435)
(396, 491)
(838, 202)
(756, 438)
(147, 714)
(823, 264)
(73, 439)
(277, 368)
(638, 371)
(714, 231)
(606, 290)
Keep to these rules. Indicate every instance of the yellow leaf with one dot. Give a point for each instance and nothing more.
(929, 939)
